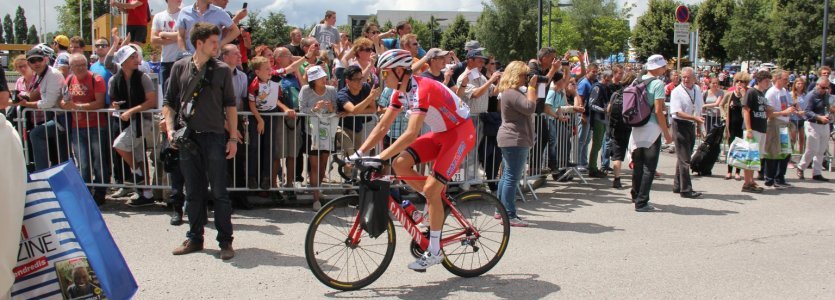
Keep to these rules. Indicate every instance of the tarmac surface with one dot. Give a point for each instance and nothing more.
(586, 241)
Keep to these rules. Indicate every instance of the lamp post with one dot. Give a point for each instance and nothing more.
(551, 5)
(825, 31)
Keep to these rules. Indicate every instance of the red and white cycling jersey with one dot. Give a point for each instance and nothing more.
(443, 109)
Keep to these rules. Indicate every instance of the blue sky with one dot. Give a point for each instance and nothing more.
(298, 12)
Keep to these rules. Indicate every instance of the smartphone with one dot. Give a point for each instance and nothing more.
(245, 5)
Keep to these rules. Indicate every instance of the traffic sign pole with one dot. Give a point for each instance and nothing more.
(682, 30)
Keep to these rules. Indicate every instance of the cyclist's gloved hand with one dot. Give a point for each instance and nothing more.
(372, 161)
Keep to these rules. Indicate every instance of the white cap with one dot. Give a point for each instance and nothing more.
(316, 72)
(655, 61)
(123, 54)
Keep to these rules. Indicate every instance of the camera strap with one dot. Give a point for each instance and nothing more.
(195, 87)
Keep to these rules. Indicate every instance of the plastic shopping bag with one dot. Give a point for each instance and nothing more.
(785, 146)
(744, 154)
(66, 250)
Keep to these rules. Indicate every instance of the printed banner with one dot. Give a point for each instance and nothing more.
(66, 250)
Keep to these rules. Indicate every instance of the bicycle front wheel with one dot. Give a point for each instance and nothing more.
(481, 246)
(333, 259)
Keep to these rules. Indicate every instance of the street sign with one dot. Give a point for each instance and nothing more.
(682, 33)
(682, 14)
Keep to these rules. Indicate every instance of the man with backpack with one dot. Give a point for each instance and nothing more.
(643, 109)
(618, 132)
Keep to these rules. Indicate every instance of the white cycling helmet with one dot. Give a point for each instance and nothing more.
(395, 58)
(46, 50)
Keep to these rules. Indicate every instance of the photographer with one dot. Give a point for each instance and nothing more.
(201, 101)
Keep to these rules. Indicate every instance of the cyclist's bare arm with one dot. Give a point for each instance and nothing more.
(380, 130)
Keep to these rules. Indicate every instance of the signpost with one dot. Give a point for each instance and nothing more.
(682, 31)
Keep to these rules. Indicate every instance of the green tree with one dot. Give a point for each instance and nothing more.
(508, 28)
(20, 26)
(610, 35)
(712, 22)
(271, 30)
(456, 35)
(2, 40)
(798, 33)
(748, 37)
(653, 34)
(69, 18)
(421, 30)
(32, 35)
(561, 35)
(387, 26)
(583, 15)
(9, 29)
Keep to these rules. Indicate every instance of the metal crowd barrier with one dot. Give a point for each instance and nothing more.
(281, 154)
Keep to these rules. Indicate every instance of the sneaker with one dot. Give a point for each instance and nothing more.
(316, 205)
(187, 247)
(227, 253)
(425, 261)
(616, 183)
(252, 183)
(100, 199)
(646, 208)
(176, 218)
(819, 178)
(582, 169)
(518, 222)
(141, 201)
(121, 192)
(781, 186)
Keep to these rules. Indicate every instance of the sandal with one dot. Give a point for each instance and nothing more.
(737, 177)
(729, 176)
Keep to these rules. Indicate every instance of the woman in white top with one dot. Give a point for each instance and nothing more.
(318, 101)
(713, 101)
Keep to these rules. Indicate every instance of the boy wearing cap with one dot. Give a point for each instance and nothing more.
(61, 43)
(646, 140)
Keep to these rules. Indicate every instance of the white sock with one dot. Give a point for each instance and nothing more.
(434, 242)
(148, 194)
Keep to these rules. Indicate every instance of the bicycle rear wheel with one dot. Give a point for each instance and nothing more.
(333, 260)
(476, 254)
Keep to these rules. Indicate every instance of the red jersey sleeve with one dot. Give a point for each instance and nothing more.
(252, 91)
(395, 100)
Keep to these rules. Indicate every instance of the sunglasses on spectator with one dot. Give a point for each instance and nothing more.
(355, 79)
(415, 44)
(823, 87)
(102, 45)
(364, 49)
(374, 32)
(35, 60)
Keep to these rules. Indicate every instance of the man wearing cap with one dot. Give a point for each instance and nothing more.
(436, 58)
(138, 17)
(61, 43)
(475, 90)
(460, 67)
(132, 92)
(201, 98)
(44, 93)
(646, 140)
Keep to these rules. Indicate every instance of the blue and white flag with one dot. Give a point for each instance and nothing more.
(66, 250)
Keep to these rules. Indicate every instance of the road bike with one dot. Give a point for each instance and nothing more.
(343, 256)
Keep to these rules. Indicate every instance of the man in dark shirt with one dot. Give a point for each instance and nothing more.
(754, 111)
(437, 62)
(818, 112)
(203, 98)
(295, 45)
(546, 65)
(355, 98)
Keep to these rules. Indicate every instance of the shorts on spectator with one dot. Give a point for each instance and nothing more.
(288, 138)
(137, 33)
(128, 141)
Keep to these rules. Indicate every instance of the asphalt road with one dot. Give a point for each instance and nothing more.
(585, 242)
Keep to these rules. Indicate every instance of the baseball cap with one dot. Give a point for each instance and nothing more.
(476, 53)
(62, 40)
(123, 54)
(35, 52)
(655, 61)
(472, 45)
(315, 72)
(436, 52)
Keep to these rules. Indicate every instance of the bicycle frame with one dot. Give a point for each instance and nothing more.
(409, 225)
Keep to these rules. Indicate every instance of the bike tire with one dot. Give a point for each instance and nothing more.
(326, 238)
(478, 208)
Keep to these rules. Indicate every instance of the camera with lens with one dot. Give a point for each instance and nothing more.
(18, 96)
(564, 62)
(539, 78)
(246, 29)
(182, 140)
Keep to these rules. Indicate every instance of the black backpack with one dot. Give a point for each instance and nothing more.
(615, 112)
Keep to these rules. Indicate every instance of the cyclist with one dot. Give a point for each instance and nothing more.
(452, 136)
